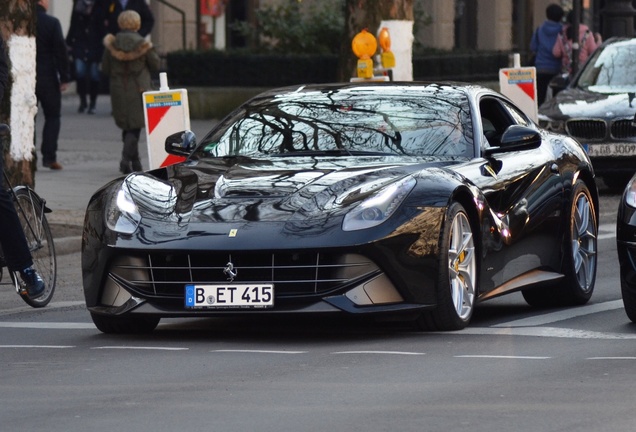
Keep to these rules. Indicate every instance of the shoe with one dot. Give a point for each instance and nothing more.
(124, 167)
(136, 165)
(91, 110)
(32, 282)
(81, 108)
(53, 165)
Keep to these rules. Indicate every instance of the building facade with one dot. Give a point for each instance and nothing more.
(492, 25)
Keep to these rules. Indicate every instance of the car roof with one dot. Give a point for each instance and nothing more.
(469, 89)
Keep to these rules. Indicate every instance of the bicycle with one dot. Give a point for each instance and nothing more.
(31, 209)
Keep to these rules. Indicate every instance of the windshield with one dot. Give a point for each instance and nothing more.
(351, 121)
(612, 69)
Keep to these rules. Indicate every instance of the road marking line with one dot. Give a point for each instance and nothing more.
(379, 352)
(563, 314)
(554, 332)
(258, 351)
(48, 325)
(38, 346)
(141, 348)
(611, 358)
(502, 357)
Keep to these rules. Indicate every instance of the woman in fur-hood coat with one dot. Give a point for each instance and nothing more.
(129, 60)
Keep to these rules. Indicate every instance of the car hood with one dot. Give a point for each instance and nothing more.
(282, 189)
(580, 103)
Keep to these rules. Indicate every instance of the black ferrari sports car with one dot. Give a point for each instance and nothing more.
(405, 199)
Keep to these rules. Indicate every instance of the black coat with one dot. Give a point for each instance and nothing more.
(107, 12)
(84, 37)
(52, 57)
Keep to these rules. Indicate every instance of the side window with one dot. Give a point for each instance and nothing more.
(495, 118)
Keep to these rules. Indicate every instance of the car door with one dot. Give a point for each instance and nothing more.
(524, 193)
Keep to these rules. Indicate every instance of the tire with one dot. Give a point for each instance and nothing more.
(124, 325)
(579, 260)
(457, 278)
(40, 240)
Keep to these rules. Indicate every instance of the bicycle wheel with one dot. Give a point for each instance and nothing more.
(40, 240)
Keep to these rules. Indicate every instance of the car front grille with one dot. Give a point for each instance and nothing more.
(293, 274)
(587, 129)
(623, 129)
(597, 129)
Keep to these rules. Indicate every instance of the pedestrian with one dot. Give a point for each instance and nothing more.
(86, 46)
(52, 79)
(543, 40)
(107, 12)
(129, 60)
(588, 42)
(14, 244)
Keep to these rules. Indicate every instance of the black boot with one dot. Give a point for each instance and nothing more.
(93, 92)
(130, 153)
(136, 164)
(124, 167)
(81, 91)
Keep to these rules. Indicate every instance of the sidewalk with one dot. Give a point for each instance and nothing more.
(89, 149)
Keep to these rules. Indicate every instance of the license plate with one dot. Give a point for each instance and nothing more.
(611, 150)
(229, 296)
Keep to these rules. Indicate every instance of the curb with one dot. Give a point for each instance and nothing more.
(67, 245)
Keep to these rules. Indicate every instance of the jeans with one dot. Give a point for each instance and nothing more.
(84, 69)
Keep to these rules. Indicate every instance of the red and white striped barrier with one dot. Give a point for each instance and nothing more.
(166, 112)
(520, 85)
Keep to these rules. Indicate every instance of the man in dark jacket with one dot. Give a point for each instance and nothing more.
(107, 12)
(52, 78)
(14, 245)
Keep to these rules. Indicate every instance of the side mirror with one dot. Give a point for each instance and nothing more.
(516, 138)
(559, 82)
(181, 143)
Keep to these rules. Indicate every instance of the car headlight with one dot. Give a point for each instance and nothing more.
(379, 207)
(630, 193)
(122, 214)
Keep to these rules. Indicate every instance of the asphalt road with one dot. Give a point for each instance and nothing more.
(514, 368)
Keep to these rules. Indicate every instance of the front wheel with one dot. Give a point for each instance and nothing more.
(579, 256)
(36, 228)
(457, 279)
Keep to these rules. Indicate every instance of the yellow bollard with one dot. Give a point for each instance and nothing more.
(364, 46)
(387, 57)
